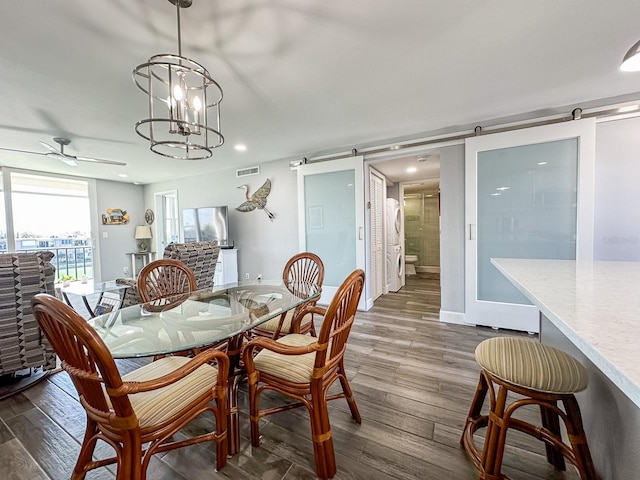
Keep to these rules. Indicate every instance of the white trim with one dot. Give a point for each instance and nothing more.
(453, 317)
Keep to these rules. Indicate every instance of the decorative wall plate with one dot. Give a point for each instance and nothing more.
(148, 216)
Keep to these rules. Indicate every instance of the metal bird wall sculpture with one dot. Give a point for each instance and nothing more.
(257, 200)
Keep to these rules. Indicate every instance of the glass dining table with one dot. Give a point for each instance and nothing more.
(202, 319)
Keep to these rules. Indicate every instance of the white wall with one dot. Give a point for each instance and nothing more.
(452, 233)
(112, 250)
(263, 246)
(617, 191)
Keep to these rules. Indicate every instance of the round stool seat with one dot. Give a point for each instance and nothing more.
(530, 364)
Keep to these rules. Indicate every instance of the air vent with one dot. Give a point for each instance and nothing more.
(248, 171)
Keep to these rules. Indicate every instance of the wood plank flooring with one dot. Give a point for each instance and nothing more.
(413, 378)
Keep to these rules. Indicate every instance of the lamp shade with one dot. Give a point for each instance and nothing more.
(631, 61)
(143, 232)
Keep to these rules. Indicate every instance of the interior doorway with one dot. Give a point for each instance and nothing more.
(421, 226)
(413, 181)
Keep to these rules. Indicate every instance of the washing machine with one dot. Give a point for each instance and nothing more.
(395, 268)
(394, 222)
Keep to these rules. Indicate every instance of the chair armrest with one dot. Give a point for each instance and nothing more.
(302, 311)
(202, 358)
(274, 346)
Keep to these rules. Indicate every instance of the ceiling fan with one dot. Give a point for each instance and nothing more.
(71, 160)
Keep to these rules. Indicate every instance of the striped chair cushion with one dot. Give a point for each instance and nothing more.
(294, 368)
(156, 406)
(272, 325)
(532, 365)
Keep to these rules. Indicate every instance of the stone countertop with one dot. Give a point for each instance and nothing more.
(596, 305)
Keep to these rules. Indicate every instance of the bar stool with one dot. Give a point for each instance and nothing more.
(544, 376)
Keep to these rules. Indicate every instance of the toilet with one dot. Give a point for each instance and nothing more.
(409, 264)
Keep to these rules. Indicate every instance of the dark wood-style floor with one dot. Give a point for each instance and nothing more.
(413, 379)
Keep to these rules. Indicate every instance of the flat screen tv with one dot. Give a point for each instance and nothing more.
(206, 224)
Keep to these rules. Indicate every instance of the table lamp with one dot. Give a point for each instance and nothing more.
(143, 234)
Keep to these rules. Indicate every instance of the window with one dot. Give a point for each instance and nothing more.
(48, 213)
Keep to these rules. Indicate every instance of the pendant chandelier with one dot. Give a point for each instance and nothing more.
(184, 104)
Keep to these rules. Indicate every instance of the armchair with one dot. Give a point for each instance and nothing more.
(22, 345)
(303, 368)
(138, 414)
(301, 270)
(200, 257)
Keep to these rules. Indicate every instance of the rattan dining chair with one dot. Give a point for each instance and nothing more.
(163, 278)
(137, 413)
(302, 271)
(303, 367)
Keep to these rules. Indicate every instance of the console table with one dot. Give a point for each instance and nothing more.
(145, 258)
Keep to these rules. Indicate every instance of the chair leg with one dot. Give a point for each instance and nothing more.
(86, 451)
(551, 422)
(130, 464)
(348, 393)
(321, 436)
(578, 439)
(222, 433)
(254, 409)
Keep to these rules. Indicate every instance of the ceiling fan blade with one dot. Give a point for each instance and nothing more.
(17, 150)
(49, 147)
(98, 160)
(68, 159)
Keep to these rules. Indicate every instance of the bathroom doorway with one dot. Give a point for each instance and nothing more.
(421, 213)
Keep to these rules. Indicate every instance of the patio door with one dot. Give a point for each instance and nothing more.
(331, 218)
(529, 194)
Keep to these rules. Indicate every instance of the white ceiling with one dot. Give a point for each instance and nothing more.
(300, 77)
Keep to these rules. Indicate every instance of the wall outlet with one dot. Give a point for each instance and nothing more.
(246, 276)
(259, 277)
(126, 270)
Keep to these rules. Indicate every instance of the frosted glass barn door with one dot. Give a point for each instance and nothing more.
(331, 218)
(529, 194)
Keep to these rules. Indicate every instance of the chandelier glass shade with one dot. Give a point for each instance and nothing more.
(184, 104)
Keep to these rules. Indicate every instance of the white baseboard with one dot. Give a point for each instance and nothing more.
(452, 317)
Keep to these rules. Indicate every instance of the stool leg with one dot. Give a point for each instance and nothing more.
(551, 422)
(578, 439)
(474, 421)
(476, 403)
(496, 436)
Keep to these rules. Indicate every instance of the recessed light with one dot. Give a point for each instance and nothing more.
(241, 148)
(502, 189)
(496, 194)
(542, 163)
(412, 170)
(123, 175)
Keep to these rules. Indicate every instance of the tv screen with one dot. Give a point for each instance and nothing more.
(206, 224)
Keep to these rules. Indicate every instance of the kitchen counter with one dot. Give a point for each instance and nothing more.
(592, 311)
(595, 305)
